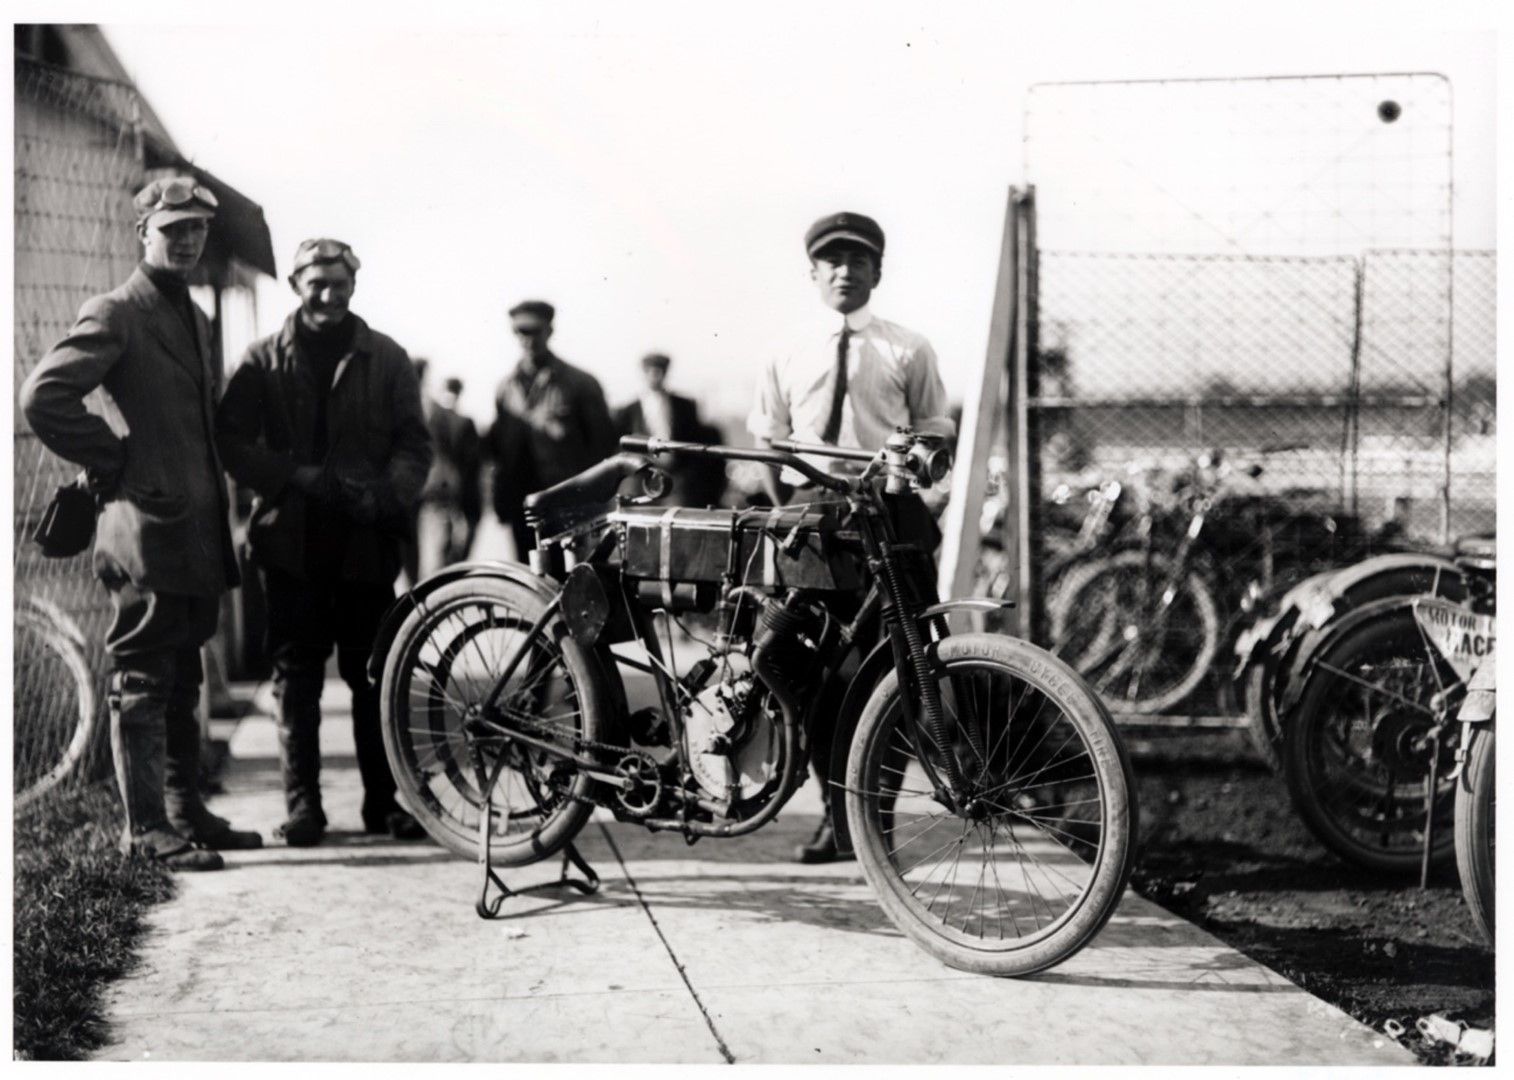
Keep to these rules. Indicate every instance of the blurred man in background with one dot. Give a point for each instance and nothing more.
(323, 420)
(697, 481)
(163, 543)
(452, 499)
(850, 387)
(551, 421)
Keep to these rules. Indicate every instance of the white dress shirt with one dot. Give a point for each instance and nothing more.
(891, 379)
(657, 413)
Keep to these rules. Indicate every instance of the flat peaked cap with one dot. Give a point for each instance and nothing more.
(538, 309)
(655, 359)
(858, 228)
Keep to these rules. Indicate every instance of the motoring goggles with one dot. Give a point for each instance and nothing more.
(321, 251)
(180, 193)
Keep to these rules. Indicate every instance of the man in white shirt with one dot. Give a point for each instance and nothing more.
(850, 386)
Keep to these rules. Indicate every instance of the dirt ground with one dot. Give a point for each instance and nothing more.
(1222, 846)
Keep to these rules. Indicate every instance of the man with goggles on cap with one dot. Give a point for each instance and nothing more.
(848, 383)
(323, 421)
(162, 542)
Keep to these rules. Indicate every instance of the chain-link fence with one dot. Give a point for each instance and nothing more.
(78, 160)
(1245, 302)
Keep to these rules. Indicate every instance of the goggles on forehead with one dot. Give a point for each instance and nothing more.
(324, 250)
(182, 192)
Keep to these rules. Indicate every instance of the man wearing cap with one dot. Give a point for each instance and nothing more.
(849, 383)
(664, 415)
(163, 544)
(551, 421)
(323, 421)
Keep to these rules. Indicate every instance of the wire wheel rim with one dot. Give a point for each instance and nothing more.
(456, 675)
(1013, 841)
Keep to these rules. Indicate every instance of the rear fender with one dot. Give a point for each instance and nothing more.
(1316, 603)
(1313, 644)
(413, 597)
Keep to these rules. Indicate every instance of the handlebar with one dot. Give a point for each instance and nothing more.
(652, 445)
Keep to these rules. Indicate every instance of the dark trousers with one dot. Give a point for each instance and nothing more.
(912, 522)
(154, 645)
(305, 620)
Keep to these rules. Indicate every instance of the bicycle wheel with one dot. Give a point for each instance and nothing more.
(1032, 866)
(445, 659)
(1143, 651)
(54, 700)
(1475, 805)
(1356, 751)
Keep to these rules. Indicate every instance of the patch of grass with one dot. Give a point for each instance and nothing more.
(79, 906)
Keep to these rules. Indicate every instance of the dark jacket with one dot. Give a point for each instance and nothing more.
(456, 466)
(376, 435)
(559, 413)
(683, 414)
(165, 529)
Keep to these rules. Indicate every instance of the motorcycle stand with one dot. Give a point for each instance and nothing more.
(489, 907)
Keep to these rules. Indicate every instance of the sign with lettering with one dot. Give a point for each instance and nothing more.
(1465, 638)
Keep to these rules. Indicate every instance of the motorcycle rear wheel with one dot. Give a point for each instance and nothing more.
(1353, 752)
(446, 656)
(1475, 804)
(1028, 873)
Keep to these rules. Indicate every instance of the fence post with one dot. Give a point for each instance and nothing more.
(961, 537)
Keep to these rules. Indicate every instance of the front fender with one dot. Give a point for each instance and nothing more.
(413, 597)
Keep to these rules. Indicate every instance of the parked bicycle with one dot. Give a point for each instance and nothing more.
(986, 791)
(1145, 621)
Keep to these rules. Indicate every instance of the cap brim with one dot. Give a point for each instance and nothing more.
(178, 213)
(827, 239)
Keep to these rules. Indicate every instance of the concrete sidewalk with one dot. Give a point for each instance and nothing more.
(365, 949)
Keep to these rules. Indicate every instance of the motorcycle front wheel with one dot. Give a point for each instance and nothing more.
(1031, 866)
(445, 659)
(1475, 803)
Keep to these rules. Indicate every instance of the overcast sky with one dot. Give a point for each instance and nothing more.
(651, 169)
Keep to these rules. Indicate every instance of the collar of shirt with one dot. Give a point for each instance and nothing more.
(859, 319)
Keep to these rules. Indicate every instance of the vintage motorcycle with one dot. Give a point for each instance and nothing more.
(986, 792)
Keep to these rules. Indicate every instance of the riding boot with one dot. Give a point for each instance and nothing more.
(139, 701)
(182, 797)
(299, 716)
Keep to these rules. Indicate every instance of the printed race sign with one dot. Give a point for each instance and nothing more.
(1464, 638)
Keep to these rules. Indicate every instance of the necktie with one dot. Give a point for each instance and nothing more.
(838, 397)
